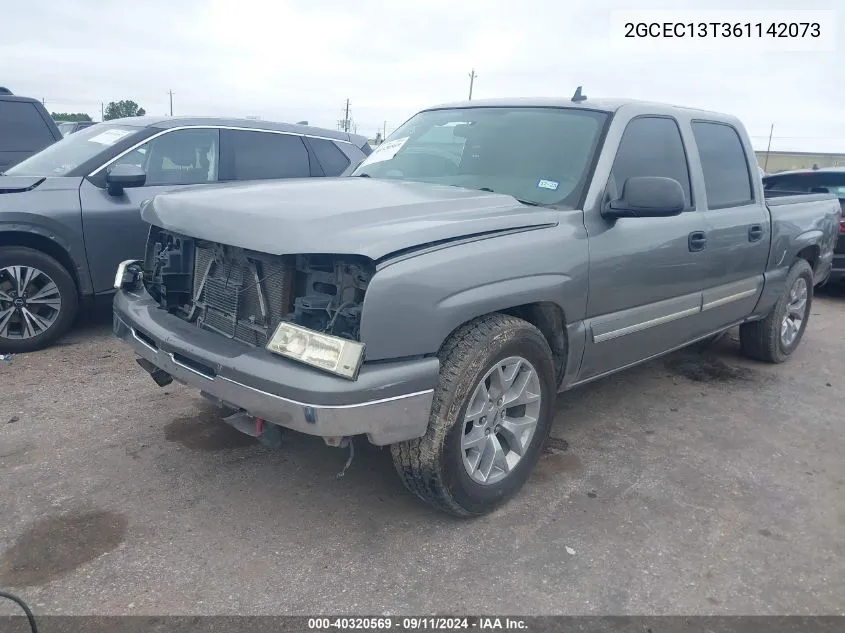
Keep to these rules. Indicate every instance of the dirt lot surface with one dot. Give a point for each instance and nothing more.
(699, 483)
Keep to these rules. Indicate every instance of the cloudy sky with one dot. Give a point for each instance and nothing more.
(291, 59)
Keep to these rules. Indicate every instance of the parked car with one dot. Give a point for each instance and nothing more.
(488, 255)
(25, 128)
(828, 180)
(69, 214)
(69, 127)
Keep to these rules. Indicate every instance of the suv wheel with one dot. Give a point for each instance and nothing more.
(492, 411)
(38, 299)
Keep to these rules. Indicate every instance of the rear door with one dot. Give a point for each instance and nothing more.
(23, 131)
(737, 224)
(263, 155)
(114, 230)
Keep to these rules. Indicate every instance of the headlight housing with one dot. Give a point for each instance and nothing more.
(128, 273)
(333, 354)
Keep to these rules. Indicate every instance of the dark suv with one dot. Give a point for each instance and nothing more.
(25, 128)
(71, 213)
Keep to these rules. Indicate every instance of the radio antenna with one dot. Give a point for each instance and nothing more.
(578, 97)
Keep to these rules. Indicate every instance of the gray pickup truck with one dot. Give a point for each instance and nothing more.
(483, 258)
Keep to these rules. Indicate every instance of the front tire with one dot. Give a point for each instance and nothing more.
(491, 414)
(774, 338)
(38, 300)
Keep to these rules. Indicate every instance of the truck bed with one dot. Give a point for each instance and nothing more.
(799, 218)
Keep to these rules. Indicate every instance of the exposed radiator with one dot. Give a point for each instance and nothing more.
(239, 296)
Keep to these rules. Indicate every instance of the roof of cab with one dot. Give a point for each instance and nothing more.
(166, 122)
(601, 105)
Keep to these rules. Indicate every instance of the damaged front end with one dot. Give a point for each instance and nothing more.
(245, 295)
(304, 307)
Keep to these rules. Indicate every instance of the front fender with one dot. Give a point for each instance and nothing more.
(412, 305)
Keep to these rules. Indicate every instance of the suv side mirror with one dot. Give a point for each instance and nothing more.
(647, 197)
(120, 177)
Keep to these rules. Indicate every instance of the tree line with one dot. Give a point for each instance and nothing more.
(114, 110)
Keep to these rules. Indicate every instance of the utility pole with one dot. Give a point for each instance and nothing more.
(102, 112)
(472, 77)
(768, 147)
(170, 92)
(346, 118)
(43, 102)
(384, 134)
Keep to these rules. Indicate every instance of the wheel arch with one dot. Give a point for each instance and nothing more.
(40, 242)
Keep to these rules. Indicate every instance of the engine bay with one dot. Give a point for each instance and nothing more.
(244, 295)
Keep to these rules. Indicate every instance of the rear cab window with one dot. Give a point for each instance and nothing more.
(727, 179)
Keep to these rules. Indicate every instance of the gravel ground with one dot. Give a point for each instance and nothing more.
(697, 484)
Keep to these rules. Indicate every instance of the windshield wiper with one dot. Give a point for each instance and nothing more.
(530, 203)
(364, 176)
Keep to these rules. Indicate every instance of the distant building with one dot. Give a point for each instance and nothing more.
(783, 161)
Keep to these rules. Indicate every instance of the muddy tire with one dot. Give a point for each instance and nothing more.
(38, 300)
(496, 377)
(774, 338)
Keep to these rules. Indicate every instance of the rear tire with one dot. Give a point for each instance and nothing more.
(35, 315)
(490, 363)
(774, 338)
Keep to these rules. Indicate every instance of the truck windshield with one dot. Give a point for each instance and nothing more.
(70, 152)
(538, 155)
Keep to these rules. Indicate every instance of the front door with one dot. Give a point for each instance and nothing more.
(114, 230)
(645, 275)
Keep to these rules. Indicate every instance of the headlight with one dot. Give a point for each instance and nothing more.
(330, 353)
(128, 272)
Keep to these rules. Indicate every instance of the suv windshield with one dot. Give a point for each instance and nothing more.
(70, 152)
(537, 155)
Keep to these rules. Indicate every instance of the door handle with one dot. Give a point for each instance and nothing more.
(755, 232)
(697, 241)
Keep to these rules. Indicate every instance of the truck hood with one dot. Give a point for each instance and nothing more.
(357, 216)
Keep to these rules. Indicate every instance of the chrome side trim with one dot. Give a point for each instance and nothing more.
(326, 406)
(210, 127)
(616, 370)
(730, 298)
(638, 327)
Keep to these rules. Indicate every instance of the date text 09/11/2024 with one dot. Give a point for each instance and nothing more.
(416, 623)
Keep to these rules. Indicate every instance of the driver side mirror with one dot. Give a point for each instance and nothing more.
(647, 197)
(120, 177)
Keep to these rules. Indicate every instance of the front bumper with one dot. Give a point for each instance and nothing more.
(389, 402)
